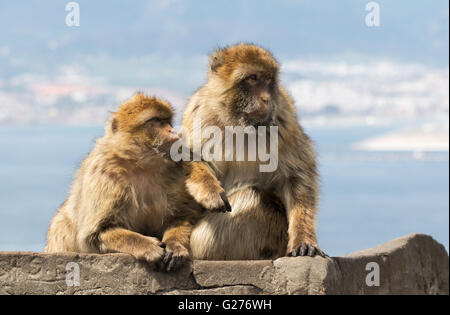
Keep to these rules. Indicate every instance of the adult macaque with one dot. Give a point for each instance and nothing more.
(274, 213)
(129, 196)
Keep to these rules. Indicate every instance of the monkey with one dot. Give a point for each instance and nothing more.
(274, 213)
(129, 196)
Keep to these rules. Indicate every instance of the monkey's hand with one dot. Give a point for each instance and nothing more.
(176, 255)
(212, 198)
(154, 253)
(222, 205)
(216, 202)
(205, 188)
(306, 249)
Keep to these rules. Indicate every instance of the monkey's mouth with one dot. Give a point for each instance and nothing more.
(257, 117)
(166, 146)
(251, 120)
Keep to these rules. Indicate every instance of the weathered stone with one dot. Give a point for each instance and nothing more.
(257, 273)
(303, 275)
(231, 290)
(414, 264)
(38, 273)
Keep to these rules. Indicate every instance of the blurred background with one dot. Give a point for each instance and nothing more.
(375, 99)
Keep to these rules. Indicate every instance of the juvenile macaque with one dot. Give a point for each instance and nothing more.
(129, 196)
(274, 213)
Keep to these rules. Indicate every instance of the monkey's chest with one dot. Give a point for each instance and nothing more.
(238, 175)
(151, 208)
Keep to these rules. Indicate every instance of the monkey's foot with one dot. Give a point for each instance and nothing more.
(307, 249)
(176, 255)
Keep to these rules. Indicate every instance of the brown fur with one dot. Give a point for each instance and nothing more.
(128, 194)
(274, 214)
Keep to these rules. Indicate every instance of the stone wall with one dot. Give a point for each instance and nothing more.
(414, 264)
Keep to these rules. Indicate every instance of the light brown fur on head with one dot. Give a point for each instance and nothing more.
(139, 109)
(233, 63)
(143, 122)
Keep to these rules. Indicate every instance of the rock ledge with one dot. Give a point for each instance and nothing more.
(414, 264)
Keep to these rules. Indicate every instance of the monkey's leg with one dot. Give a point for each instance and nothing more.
(254, 230)
(125, 241)
(176, 238)
(60, 236)
(203, 185)
(302, 232)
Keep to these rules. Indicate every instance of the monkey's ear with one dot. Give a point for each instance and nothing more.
(114, 125)
(216, 60)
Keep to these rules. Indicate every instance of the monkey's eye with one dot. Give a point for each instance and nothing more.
(252, 79)
(154, 119)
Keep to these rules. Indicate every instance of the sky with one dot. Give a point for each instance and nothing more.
(330, 58)
(410, 30)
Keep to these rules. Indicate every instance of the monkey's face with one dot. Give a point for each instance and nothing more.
(157, 134)
(252, 98)
(247, 77)
(145, 122)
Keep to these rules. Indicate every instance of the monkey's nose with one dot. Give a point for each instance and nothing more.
(173, 134)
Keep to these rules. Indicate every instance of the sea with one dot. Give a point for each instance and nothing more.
(367, 198)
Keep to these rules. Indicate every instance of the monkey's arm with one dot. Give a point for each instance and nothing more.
(301, 208)
(205, 188)
(125, 241)
(177, 238)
